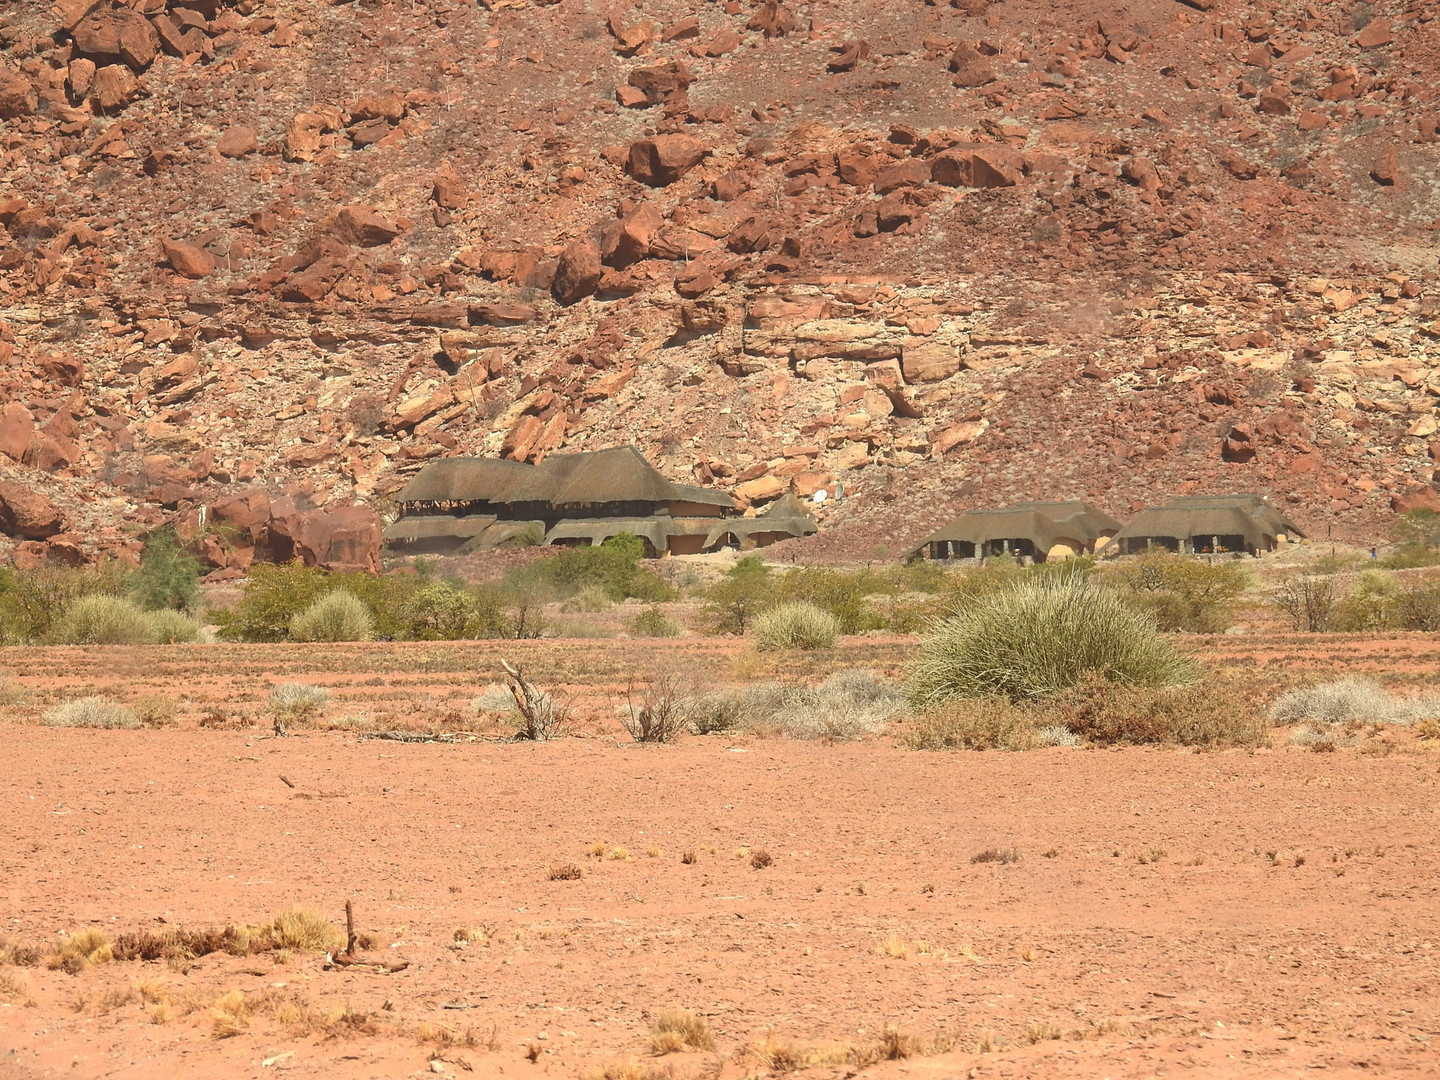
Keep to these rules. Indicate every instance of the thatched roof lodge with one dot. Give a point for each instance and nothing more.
(1036, 530)
(1209, 524)
(472, 504)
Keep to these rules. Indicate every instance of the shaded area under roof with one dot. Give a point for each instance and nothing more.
(1041, 523)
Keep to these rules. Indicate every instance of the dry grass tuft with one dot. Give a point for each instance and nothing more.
(16, 954)
(627, 1070)
(472, 934)
(973, 724)
(1040, 1032)
(896, 947)
(230, 1016)
(689, 858)
(442, 1037)
(1004, 856)
(760, 859)
(298, 928)
(155, 710)
(14, 987)
(80, 950)
(778, 1055)
(680, 1029)
(91, 712)
(568, 872)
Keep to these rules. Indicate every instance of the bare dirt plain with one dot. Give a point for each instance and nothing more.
(1147, 929)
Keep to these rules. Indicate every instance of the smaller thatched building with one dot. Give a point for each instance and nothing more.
(472, 504)
(1035, 530)
(1209, 524)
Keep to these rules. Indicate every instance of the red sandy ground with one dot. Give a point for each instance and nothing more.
(1215, 960)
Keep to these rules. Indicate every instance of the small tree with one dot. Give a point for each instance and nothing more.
(168, 577)
(655, 712)
(1182, 592)
(1309, 601)
(735, 600)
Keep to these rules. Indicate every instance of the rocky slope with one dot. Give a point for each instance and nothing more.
(941, 254)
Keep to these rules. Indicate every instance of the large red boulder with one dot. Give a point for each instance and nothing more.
(119, 36)
(28, 515)
(578, 273)
(17, 428)
(344, 539)
(664, 159)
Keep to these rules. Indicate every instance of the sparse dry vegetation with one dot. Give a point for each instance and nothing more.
(679, 1029)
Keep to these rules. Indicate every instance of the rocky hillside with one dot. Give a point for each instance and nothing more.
(941, 253)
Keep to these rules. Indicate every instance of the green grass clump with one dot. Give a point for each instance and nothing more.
(336, 616)
(797, 625)
(1038, 637)
(652, 622)
(101, 619)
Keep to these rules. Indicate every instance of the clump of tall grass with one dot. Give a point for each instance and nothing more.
(297, 703)
(337, 616)
(102, 619)
(1040, 636)
(91, 712)
(1351, 700)
(848, 705)
(796, 625)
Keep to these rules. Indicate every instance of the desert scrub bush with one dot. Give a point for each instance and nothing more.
(1348, 701)
(1416, 536)
(167, 626)
(1107, 714)
(732, 603)
(300, 929)
(33, 601)
(155, 710)
(274, 594)
(1370, 604)
(102, 619)
(91, 712)
(1181, 592)
(1039, 636)
(448, 611)
(297, 703)
(655, 712)
(590, 600)
(993, 723)
(654, 623)
(538, 715)
(795, 625)
(1309, 601)
(847, 705)
(336, 616)
(613, 567)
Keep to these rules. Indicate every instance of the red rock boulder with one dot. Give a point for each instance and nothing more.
(361, 226)
(17, 95)
(664, 159)
(119, 36)
(187, 260)
(26, 514)
(577, 275)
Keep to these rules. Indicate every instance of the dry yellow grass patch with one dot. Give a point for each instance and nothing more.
(896, 947)
(78, 951)
(680, 1029)
(299, 928)
(230, 1015)
(470, 935)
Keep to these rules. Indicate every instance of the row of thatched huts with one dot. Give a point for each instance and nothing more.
(1199, 524)
(464, 504)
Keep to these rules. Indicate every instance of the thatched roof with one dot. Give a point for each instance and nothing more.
(785, 515)
(1250, 516)
(599, 476)
(692, 493)
(1042, 523)
(464, 479)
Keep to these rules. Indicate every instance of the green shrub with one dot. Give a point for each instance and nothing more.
(613, 566)
(1041, 635)
(1369, 606)
(590, 600)
(1417, 540)
(1104, 713)
(91, 712)
(448, 611)
(274, 594)
(1181, 592)
(733, 602)
(168, 577)
(336, 616)
(845, 594)
(652, 622)
(33, 601)
(101, 619)
(795, 625)
(1418, 608)
(170, 627)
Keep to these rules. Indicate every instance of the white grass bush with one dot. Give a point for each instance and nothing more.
(493, 699)
(795, 625)
(1039, 636)
(298, 701)
(91, 712)
(1351, 700)
(337, 616)
(1057, 735)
